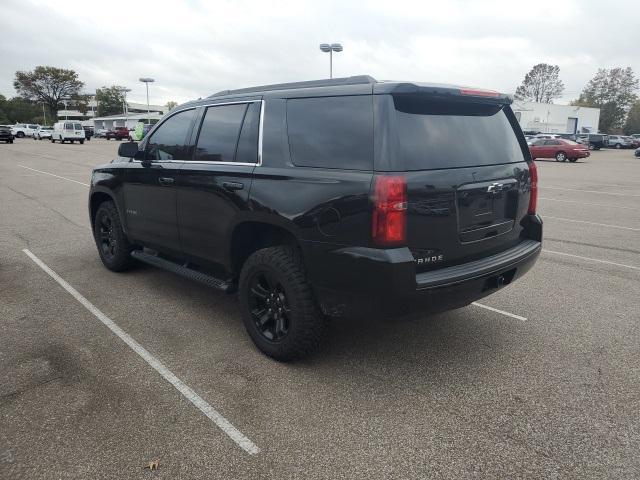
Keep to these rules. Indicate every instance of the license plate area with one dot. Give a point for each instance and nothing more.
(486, 209)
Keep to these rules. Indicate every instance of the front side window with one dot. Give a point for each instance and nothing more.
(169, 141)
(331, 132)
(218, 137)
(77, 126)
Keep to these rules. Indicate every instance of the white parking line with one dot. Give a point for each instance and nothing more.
(593, 223)
(235, 434)
(54, 175)
(502, 312)
(591, 204)
(591, 191)
(590, 259)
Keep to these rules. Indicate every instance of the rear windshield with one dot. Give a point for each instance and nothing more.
(435, 134)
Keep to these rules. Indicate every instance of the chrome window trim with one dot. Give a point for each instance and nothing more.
(205, 162)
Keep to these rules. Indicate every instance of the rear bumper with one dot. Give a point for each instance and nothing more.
(355, 281)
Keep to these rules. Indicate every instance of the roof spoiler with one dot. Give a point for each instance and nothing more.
(444, 92)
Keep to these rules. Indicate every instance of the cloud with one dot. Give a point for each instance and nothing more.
(195, 48)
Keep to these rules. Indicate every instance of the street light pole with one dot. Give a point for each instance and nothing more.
(147, 81)
(334, 47)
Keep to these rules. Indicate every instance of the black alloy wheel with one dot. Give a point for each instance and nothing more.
(107, 239)
(269, 308)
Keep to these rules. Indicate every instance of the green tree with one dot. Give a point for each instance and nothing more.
(171, 105)
(632, 125)
(542, 84)
(613, 92)
(48, 85)
(110, 100)
(4, 118)
(20, 110)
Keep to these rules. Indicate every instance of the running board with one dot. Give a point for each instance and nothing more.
(181, 270)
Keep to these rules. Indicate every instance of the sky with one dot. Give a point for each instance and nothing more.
(194, 48)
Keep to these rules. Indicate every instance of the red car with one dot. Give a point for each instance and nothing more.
(558, 148)
(118, 133)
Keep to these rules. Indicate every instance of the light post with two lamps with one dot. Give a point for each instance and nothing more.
(333, 47)
(147, 81)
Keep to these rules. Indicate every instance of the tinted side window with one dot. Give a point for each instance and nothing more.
(219, 133)
(248, 143)
(331, 132)
(169, 142)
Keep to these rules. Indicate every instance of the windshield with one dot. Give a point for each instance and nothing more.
(436, 134)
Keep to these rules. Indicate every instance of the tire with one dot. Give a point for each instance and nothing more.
(20, 134)
(561, 157)
(53, 140)
(573, 160)
(618, 146)
(81, 142)
(113, 246)
(275, 277)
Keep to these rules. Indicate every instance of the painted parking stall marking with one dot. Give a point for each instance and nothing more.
(501, 312)
(593, 223)
(54, 175)
(553, 252)
(238, 437)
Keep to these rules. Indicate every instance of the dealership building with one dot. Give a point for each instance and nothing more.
(552, 118)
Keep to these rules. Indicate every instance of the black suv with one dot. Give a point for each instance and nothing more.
(5, 134)
(327, 198)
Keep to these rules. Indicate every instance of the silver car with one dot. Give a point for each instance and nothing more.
(618, 141)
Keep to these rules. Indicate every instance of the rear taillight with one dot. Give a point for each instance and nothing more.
(533, 197)
(389, 222)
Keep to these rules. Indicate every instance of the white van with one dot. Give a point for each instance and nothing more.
(67, 131)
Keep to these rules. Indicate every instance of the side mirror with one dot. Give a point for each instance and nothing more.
(129, 150)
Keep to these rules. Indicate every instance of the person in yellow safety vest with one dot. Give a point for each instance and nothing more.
(137, 133)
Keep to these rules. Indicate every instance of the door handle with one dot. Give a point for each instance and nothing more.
(165, 181)
(231, 186)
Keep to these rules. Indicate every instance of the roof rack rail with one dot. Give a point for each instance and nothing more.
(354, 80)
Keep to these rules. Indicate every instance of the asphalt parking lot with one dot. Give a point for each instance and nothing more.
(548, 386)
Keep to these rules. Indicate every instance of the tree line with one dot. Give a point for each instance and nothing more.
(44, 90)
(613, 91)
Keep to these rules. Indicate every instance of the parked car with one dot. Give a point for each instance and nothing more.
(316, 216)
(558, 148)
(619, 141)
(67, 131)
(5, 134)
(43, 132)
(118, 133)
(100, 132)
(595, 141)
(635, 142)
(637, 152)
(88, 132)
(573, 137)
(21, 130)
